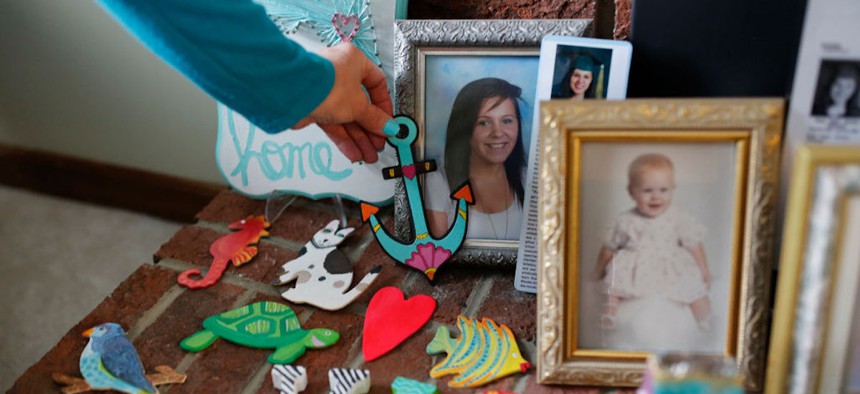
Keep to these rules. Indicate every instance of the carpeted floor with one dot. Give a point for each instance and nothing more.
(61, 258)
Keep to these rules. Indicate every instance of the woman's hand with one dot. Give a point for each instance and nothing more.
(355, 121)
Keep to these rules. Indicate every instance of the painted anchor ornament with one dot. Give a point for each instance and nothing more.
(262, 325)
(237, 247)
(425, 253)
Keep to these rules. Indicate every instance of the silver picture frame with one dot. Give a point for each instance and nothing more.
(414, 40)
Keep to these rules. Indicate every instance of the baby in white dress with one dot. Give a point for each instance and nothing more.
(654, 249)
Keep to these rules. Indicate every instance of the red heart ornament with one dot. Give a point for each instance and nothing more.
(391, 318)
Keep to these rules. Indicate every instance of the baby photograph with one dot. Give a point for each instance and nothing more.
(657, 229)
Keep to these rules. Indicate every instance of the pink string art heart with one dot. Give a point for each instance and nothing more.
(346, 26)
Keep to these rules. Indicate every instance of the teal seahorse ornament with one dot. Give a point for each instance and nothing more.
(424, 253)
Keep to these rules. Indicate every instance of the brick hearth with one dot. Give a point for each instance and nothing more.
(158, 313)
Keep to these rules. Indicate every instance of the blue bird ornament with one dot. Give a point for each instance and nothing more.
(110, 362)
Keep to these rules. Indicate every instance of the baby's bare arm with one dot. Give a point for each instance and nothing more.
(698, 253)
(603, 260)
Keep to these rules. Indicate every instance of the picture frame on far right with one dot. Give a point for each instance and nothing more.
(815, 339)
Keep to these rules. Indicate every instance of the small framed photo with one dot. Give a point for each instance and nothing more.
(655, 234)
(571, 68)
(815, 340)
(470, 86)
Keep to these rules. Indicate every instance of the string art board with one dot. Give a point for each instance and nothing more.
(307, 163)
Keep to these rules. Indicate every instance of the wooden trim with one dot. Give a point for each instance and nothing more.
(160, 195)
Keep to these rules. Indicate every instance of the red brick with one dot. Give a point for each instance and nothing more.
(134, 296)
(318, 362)
(511, 307)
(504, 384)
(159, 343)
(223, 368)
(229, 206)
(451, 290)
(501, 9)
(623, 14)
(532, 386)
(269, 388)
(190, 244)
(392, 273)
(265, 266)
(409, 360)
(297, 223)
(302, 219)
(227, 367)
(300, 224)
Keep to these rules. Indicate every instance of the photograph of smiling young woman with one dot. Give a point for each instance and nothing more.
(578, 82)
(484, 145)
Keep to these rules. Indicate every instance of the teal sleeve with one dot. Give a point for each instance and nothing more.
(234, 52)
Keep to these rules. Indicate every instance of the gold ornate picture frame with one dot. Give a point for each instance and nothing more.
(815, 346)
(723, 157)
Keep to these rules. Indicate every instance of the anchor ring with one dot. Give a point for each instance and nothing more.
(408, 132)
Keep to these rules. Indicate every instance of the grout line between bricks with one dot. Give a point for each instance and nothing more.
(250, 284)
(355, 354)
(277, 241)
(354, 254)
(219, 227)
(189, 358)
(256, 382)
(481, 292)
(408, 279)
(520, 386)
(529, 351)
(305, 315)
(229, 277)
(153, 313)
(243, 299)
(186, 362)
(284, 243)
(328, 207)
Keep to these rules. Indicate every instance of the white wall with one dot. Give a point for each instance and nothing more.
(74, 82)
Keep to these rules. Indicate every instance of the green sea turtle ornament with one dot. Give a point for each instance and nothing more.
(262, 325)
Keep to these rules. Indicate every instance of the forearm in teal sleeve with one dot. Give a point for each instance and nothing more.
(234, 52)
